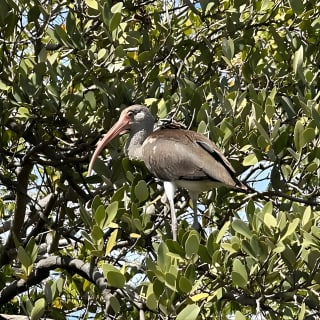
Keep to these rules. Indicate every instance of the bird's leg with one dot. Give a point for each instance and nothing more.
(170, 190)
(194, 198)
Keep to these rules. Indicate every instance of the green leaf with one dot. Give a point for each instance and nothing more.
(185, 284)
(164, 259)
(152, 301)
(102, 54)
(112, 211)
(23, 113)
(246, 246)
(141, 191)
(146, 56)
(228, 48)
(158, 287)
(3, 86)
(200, 296)
(96, 203)
(306, 216)
(269, 220)
(308, 135)
(239, 274)
(223, 231)
(100, 216)
(262, 131)
(23, 257)
(114, 277)
(93, 4)
(298, 63)
(242, 228)
(32, 249)
(239, 316)
(302, 311)
(192, 244)
(298, 136)
(250, 160)
(171, 281)
(85, 217)
(115, 21)
(97, 233)
(250, 208)
(267, 208)
(190, 312)
(70, 23)
(297, 6)
(259, 247)
(62, 35)
(291, 228)
(115, 304)
(38, 309)
(316, 116)
(117, 7)
(112, 241)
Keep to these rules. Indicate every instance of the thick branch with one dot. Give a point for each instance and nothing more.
(42, 270)
(85, 270)
(20, 210)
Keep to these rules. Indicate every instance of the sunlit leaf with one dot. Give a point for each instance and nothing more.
(242, 227)
(111, 241)
(38, 309)
(239, 274)
(239, 316)
(199, 296)
(92, 4)
(222, 231)
(291, 228)
(250, 160)
(190, 312)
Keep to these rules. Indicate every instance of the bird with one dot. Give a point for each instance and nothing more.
(181, 158)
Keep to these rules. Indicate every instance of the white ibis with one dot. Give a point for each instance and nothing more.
(181, 158)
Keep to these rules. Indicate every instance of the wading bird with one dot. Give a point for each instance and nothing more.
(181, 158)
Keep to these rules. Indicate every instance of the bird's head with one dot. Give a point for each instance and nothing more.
(132, 119)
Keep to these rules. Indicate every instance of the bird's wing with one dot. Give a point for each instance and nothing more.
(173, 154)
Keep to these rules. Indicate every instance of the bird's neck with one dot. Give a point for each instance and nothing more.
(133, 146)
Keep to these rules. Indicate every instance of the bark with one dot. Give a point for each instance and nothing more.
(42, 271)
(19, 212)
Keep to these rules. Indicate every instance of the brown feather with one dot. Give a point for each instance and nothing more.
(176, 154)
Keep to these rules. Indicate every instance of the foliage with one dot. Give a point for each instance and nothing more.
(244, 72)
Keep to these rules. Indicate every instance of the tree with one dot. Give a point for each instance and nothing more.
(246, 73)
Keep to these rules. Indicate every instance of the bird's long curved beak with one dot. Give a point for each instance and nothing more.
(121, 126)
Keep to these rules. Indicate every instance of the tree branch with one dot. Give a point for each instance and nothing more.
(42, 271)
(20, 210)
(84, 269)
